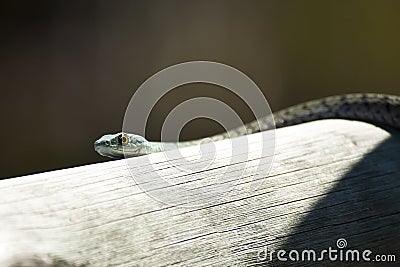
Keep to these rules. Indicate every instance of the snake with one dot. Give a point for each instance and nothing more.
(379, 109)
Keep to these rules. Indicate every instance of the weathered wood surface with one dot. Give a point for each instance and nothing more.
(330, 179)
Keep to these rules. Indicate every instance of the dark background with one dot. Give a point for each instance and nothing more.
(69, 68)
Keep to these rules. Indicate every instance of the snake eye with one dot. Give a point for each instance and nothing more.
(123, 139)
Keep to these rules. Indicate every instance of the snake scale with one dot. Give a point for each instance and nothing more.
(379, 109)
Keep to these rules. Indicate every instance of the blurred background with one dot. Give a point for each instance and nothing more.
(69, 68)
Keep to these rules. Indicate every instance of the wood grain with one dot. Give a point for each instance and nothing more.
(330, 179)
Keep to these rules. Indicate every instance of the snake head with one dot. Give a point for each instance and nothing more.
(120, 145)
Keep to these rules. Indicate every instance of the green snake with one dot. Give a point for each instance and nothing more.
(379, 109)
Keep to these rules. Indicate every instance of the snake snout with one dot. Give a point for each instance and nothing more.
(99, 145)
(102, 145)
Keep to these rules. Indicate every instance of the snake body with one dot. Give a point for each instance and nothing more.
(382, 110)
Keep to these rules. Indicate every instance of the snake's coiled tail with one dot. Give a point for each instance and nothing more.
(374, 108)
(379, 109)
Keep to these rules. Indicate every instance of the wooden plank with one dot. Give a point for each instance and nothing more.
(330, 179)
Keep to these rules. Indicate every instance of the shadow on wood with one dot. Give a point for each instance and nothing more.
(356, 214)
